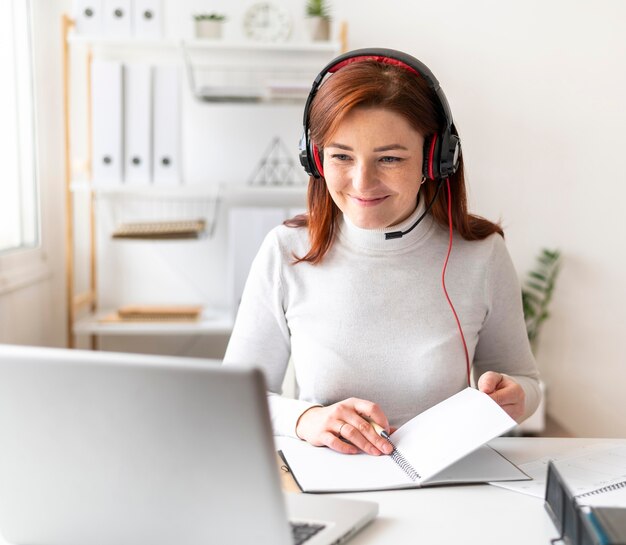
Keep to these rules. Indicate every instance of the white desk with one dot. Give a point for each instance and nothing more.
(469, 514)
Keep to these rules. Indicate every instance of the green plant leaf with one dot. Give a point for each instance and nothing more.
(530, 296)
(537, 291)
(536, 286)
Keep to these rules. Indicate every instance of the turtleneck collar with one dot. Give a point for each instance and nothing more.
(374, 239)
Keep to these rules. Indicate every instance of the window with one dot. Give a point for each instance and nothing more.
(19, 208)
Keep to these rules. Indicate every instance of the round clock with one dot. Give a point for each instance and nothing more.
(267, 22)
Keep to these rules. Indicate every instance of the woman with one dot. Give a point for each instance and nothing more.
(353, 292)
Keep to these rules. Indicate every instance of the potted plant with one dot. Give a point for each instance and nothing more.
(209, 25)
(537, 292)
(318, 19)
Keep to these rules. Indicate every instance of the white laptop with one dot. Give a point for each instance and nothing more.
(102, 448)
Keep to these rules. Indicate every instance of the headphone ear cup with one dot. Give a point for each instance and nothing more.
(449, 155)
(432, 150)
(305, 156)
(310, 157)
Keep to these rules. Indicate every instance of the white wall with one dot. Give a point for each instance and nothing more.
(536, 89)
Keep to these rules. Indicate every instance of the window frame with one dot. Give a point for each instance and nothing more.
(26, 264)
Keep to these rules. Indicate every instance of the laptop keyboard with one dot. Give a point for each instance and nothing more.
(303, 531)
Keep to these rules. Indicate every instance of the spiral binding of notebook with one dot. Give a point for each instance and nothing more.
(602, 490)
(403, 463)
(396, 455)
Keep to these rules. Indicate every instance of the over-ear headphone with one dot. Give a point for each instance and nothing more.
(441, 151)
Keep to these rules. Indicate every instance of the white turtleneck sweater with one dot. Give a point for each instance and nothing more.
(371, 320)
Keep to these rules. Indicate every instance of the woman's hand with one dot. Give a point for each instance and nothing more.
(505, 392)
(345, 427)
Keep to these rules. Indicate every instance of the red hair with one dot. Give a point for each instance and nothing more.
(374, 84)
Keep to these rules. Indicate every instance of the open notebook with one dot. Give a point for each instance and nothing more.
(443, 445)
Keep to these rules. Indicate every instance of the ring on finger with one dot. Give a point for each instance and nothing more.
(340, 427)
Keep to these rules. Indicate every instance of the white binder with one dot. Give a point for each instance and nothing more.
(137, 123)
(166, 128)
(106, 77)
(88, 17)
(147, 20)
(117, 18)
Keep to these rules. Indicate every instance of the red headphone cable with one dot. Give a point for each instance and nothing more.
(443, 282)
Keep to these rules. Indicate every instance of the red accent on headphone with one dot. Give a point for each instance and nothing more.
(318, 161)
(431, 154)
(377, 58)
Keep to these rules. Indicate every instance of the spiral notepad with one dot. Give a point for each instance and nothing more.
(596, 470)
(597, 476)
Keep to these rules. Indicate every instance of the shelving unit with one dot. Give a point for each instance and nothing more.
(237, 72)
(204, 59)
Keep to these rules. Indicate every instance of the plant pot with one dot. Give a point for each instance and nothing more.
(319, 28)
(208, 29)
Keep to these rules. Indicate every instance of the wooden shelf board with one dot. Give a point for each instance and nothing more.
(214, 324)
(215, 45)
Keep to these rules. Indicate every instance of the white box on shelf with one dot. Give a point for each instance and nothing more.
(138, 124)
(117, 18)
(166, 125)
(107, 77)
(88, 16)
(147, 20)
(247, 228)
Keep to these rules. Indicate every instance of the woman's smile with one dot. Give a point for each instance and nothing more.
(368, 201)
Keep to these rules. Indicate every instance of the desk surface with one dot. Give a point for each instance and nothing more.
(469, 514)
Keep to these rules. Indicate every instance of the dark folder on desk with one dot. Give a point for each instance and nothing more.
(579, 523)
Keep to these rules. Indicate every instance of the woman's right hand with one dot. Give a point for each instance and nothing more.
(345, 427)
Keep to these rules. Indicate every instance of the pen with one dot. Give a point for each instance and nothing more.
(396, 455)
(379, 429)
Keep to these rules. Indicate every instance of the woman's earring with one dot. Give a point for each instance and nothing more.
(423, 180)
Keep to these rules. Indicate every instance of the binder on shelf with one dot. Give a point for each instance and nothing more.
(166, 126)
(88, 17)
(107, 77)
(138, 124)
(117, 18)
(147, 20)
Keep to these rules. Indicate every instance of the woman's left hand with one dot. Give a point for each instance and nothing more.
(505, 392)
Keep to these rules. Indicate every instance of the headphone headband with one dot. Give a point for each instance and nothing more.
(443, 156)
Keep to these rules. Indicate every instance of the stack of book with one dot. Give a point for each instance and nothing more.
(151, 313)
(161, 229)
